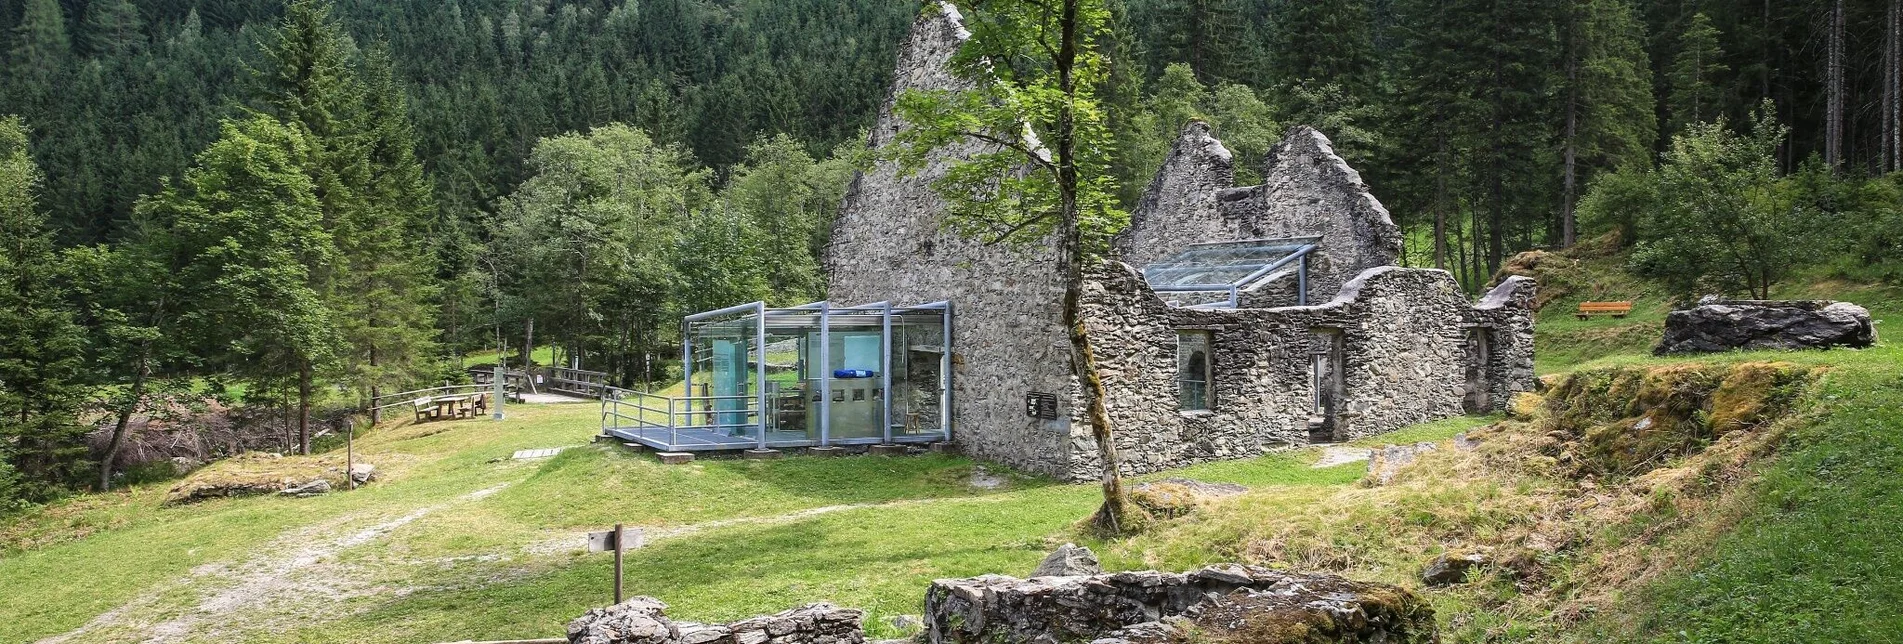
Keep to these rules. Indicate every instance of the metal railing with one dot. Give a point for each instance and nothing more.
(654, 412)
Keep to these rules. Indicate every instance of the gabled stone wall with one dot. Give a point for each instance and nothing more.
(1179, 206)
(1307, 189)
(889, 243)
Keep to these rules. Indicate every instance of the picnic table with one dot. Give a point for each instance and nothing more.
(452, 406)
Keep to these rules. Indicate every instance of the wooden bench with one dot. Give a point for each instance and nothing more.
(425, 408)
(1614, 309)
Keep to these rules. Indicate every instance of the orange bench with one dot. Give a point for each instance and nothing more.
(1614, 309)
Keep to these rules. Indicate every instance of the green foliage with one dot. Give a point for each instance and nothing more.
(1245, 123)
(586, 244)
(1322, 41)
(250, 243)
(789, 198)
(41, 382)
(1695, 75)
(1613, 84)
(1011, 187)
(1724, 220)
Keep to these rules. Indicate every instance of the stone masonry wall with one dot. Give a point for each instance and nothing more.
(1309, 190)
(1403, 330)
(1404, 362)
(1179, 206)
(888, 243)
(1507, 312)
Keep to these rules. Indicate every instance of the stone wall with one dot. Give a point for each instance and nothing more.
(643, 620)
(1179, 206)
(1507, 314)
(1307, 190)
(1223, 603)
(888, 243)
(1404, 361)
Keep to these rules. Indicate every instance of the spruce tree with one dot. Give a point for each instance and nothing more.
(42, 443)
(386, 293)
(1331, 41)
(114, 29)
(1696, 96)
(1610, 122)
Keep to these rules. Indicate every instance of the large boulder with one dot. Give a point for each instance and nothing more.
(1236, 603)
(1726, 325)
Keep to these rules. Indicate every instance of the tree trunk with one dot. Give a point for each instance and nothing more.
(304, 408)
(1440, 201)
(1834, 89)
(528, 345)
(1570, 199)
(124, 416)
(376, 414)
(1892, 88)
(1114, 516)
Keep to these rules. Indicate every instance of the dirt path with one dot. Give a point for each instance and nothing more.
(298, 579)
(288, 581)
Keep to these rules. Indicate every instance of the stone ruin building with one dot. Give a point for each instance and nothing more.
(1337, 344)
(1231, 321)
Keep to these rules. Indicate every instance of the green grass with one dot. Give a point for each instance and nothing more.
(1816, 560)
(861, 531)
(1818, 556)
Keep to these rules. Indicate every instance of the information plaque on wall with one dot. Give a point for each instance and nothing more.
(1038, 404)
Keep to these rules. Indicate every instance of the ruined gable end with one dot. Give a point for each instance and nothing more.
(1179, 206)
(1307, 189)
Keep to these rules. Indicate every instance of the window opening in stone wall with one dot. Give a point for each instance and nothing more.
(1325, 380)
(1479, 356)
(1193, 371)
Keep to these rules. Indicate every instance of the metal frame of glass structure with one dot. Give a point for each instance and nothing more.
(839, 387)
(1228, 268)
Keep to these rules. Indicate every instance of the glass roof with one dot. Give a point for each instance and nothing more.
(1225, 265)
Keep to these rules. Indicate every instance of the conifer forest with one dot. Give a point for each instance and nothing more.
(290, 207)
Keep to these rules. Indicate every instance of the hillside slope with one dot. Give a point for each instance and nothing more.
(1745, 497)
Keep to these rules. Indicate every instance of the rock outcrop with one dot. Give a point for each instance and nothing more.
(1218, 603)
(1387, 461)
(1727, 325)
(643, 620)
(1068, 560)
(1451, 568)
(1174, 497)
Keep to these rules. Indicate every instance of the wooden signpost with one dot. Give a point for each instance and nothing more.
(618, 541)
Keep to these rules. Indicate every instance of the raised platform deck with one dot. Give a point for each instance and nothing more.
(702, 440)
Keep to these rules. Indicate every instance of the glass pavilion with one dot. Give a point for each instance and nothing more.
(815, 375)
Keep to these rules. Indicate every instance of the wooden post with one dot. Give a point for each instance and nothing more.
(350, 454)
(619, 546)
